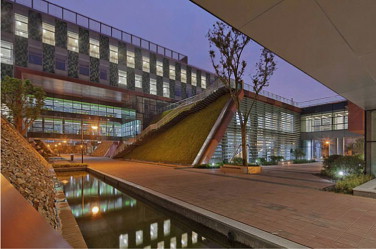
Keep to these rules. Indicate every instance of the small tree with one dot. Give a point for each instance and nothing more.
(298, 153)
(230, 68)
(21, 102)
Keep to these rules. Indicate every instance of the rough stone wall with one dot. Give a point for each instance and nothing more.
(29, 173)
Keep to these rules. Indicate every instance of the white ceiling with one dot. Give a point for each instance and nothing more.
(334, 41)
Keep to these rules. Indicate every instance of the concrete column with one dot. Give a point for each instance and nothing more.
(340, 146)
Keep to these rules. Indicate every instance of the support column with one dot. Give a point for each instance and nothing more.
(370, 140)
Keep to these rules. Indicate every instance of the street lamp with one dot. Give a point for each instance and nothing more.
(328, 143)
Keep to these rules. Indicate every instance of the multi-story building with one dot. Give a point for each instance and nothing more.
(93, 73)
(111, 84)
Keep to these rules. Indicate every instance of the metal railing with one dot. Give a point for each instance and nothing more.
(86, 22)
(321, 101)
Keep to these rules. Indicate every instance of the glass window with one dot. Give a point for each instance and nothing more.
(48, 34)
(103, 74)
(6, 52)
(113, 54)
(72, 41)
(194, 78)
(204, 82)
(183, 75)
(159, 67)
(153, 86)
(138, 81)
(166, 89)
(94, 48)
(60, 64)
(172, 72)
(21, 28)
(35, 58)
(145, 63)
(122, 78)
(130, 58)
(84, 69)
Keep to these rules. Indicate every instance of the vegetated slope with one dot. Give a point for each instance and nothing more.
(28, 172)
(102, 148)
(181, 142)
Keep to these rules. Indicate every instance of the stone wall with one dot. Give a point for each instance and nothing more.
(29, 173)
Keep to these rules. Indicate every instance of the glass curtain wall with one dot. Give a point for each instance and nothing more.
(272, 131)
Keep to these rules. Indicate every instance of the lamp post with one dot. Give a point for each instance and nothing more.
(328, 143)
(82, 141)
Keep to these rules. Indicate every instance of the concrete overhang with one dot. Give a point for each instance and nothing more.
(333, 41)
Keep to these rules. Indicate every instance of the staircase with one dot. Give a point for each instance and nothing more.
(102, 148)
(186, 108)
(42, 148)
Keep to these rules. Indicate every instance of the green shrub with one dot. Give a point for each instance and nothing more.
(298, 161)
(338, 166)
(237, 161)
(347, 184)
(208, 166)
(276, 159)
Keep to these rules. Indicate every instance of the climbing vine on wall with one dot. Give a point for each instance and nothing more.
(104, 49)
(72, 64)
(189, 75)
(153, 63)
(172, 89)
(138, 58)
(60, 33)
(20, 51)
(178, 71)
(35, 25)
(6, 16)
(130, 79)
(183, 90)
(114, 74)
(83, 36)
(6, 70)
(160, 86)
(198, 78)
(94, 69)
(166, 69)
(145, 82)
(122, 53)
(48, 58)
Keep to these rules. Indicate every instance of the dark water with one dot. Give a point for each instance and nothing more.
(109, 218)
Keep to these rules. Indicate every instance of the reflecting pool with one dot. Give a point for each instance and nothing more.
(109, 218)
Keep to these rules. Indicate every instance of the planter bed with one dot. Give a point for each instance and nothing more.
(228, 168)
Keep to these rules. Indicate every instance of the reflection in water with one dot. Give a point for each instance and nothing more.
(109, 218)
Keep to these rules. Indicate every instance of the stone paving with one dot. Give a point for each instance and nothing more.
(276, 202)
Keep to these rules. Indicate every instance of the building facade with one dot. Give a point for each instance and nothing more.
(92, 73)
(106, 84)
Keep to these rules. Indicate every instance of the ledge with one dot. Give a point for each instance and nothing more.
(240, 232)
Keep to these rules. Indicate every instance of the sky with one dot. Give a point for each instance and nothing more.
(182, 26)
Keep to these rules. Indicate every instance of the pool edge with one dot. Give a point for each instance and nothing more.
(240, 232)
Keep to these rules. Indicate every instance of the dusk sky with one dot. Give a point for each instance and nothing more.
(182, 26)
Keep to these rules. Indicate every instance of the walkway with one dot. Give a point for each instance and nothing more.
(291, 210)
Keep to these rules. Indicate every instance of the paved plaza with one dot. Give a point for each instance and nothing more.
(284, 200)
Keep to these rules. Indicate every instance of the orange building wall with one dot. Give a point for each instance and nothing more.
(356, 118)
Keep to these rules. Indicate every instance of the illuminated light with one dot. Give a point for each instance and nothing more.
(55, 145)
(341, 173)
(64, 181)
(59, 143)
(44, 31)
(166, 227)
(123, 241)
(327, 142)
(48, 145)
(65, 141)
(184, 240)
(76, 41)
(94, 127)
(139, 237)
(153, 231)
(173, 243)
(147, 247)
(160, 245)
(95, 210)
(18, 23)
(194, 238)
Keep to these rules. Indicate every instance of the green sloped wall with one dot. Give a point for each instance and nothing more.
(181, 142)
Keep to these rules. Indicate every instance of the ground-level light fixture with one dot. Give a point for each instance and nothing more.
(94, 127)
(95, 210)
(341, 173)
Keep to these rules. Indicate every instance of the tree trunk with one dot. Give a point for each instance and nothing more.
(18, 123)
(244, 144)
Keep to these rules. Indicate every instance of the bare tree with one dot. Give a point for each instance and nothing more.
(230, 67)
